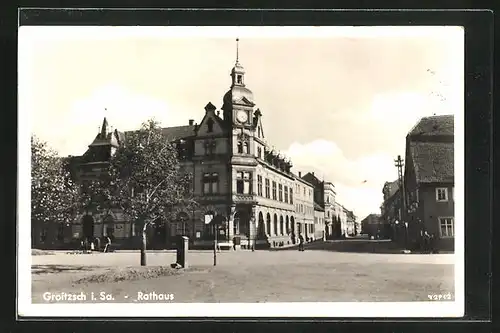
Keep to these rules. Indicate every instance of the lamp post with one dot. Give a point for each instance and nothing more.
(252, 225)
(406, 235)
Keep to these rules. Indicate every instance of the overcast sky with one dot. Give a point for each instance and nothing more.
(337, 101)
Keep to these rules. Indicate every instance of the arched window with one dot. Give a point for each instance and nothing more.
(247, 148)
(261, 228)
(275, 224)
(240, 147)
(268, 224)
(287, 225)
(281, 225)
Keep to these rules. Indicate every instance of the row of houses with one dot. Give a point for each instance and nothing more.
(236, 175)
(423, 198)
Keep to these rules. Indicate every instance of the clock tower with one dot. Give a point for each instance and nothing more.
(238, 101)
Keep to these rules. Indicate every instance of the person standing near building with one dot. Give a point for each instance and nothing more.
(108, 244)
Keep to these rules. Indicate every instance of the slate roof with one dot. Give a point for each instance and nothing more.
(433, 161)
(434, 126)
(171, 133)
(178, 132)
(393, 187)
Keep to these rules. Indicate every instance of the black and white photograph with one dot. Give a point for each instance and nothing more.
(268, 171)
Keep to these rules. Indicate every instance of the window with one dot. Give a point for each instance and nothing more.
(210, 183)
(304, 191)
(446, 227)
(259, 152)
(210, 125)
(291, 196)
(310, 193)
(274, 190)
(210, 147)
(441, 194)
(280, 194)
(328, 199)
(60, 232)
(239, 79)
(268, 192)
(243, 183)
(247, 148)
(259, 185)
(286, 194)
(328, 214)
(240, 147)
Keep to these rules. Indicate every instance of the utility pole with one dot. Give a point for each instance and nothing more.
(399, 163)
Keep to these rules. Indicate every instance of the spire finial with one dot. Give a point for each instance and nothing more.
(237, 47)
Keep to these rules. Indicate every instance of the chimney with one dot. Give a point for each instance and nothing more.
(191, 122)
(300, 174)
(312, 173)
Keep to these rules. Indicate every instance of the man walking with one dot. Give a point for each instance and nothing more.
(301, 242)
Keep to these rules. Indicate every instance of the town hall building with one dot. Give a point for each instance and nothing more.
(236, 174)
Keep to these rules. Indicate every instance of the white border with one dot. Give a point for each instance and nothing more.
(314, 309)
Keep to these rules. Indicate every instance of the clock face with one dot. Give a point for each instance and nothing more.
(241, 116)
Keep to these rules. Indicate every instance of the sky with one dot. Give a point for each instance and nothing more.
(337, 101)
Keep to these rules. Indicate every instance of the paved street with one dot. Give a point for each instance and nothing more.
(260, 276)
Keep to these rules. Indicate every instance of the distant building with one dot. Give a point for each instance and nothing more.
(352, 227)
(371, 225)
(325, 197)
(319, 222)
(429, 180)
(391, 208)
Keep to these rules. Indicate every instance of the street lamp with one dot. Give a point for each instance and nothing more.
(252, 225)
(406, 235)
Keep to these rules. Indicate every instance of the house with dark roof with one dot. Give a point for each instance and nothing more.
(429, 181)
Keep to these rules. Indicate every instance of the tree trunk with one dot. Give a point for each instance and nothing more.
(144, 244)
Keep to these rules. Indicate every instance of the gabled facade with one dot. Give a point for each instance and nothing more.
(429, 180)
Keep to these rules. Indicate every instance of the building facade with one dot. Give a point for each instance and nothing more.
(371, 225)
(236, 176)
(429, 181)
(325, 197)
(391, 209)
(319, 223)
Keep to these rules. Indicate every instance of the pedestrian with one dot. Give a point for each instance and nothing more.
(82, 246)
(301, 242)
(432, 243)
(427, 242)
(108, 244)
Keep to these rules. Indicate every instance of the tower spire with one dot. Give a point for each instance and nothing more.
(237, 49)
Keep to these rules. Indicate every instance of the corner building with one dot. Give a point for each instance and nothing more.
(236, 175)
